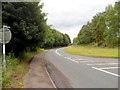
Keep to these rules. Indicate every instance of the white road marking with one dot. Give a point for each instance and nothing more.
(50, 78)
(110, 68)
(90, 61)
(71, 59)
(86, 61)
(103, 64)
(66, 57)
(95, 62)
(58, 53)
(106, 71)
(81, 59)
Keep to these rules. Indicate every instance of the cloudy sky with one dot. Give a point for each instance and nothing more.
(68, 16)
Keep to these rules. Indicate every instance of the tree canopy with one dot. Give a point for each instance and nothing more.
(103, 28)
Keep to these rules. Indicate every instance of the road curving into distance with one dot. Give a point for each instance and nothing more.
(68, 70)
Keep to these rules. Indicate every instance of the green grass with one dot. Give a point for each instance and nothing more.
(0, 72)
(92, 51)
(17, 68)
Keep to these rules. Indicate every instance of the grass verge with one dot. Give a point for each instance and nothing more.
(17, 68)
(93, 51)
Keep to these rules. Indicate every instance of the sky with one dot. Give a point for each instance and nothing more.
(68, 16)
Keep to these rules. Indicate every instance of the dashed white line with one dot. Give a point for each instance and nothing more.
(80, 59)
(66, 57)
(71, 59)
(85, 61)
(110, 68)
(102, 64)
(106, 71)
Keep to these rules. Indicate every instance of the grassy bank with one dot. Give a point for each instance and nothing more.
(93, 51)
(17, 68)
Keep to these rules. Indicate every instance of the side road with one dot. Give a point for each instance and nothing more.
(37, 77)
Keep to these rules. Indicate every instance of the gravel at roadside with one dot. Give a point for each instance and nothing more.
(37, 76)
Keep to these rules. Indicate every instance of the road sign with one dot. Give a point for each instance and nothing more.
(118, 33)
(7, 35)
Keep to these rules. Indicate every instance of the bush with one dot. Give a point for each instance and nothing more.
(11, 63)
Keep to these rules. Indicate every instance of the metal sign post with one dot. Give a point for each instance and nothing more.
(118, 33)
(5, 37)
(4, 61)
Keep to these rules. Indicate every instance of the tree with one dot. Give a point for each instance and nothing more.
(69, 40)
(65, 40)
(84, 35)
(54, 38)
(103, 28)
(49, 39)
(112, 22)
(27, 24)
(75, 40)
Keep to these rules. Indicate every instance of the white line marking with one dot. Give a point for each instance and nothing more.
(86, 61)
(102, 64)
(80, 59)
(65, 57)
(58, 53)
(110, 68)
(91, 61)
(50, 78)
(98, 62)
(106, 72)
(71, 59)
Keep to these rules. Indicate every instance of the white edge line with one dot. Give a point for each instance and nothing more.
(58, 53)
(50, 79)
(106, 72)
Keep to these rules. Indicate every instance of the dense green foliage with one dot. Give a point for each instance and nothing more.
(55, 39)
(29, 28)
(103, 28)
(17, 68)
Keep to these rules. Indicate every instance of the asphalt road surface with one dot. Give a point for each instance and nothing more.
(68, 70)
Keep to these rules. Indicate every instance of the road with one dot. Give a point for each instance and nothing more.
(82, 71)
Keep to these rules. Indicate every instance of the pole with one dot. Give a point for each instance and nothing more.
(4, 61)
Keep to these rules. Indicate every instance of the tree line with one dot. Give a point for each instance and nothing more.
(55, 38)
(29, 28)
(103, 29)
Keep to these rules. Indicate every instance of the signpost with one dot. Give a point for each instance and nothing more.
(118, 33)
(5, 37)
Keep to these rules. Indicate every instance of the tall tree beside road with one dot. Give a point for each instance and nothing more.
(112, 22)
(75, 40)
(65, 40)
(55, 38)
(27, 24)
(103, 28)
(69, 40)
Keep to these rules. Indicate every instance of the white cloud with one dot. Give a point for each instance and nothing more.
(68, 16)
